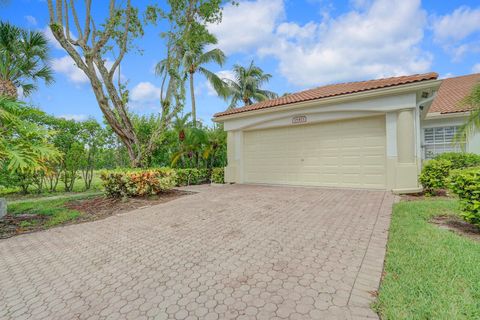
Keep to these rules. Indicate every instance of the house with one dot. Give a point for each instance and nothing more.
(446, 115)
(368, 134)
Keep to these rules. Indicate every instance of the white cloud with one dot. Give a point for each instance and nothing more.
(31, 20)
(374, 42)
(75, 117)
(458, 25)
(224, 74)
(446, 75)
(145, 92)
(476, 68)
(370, 41)
(247, 25)
(458, 32)
(68, 67)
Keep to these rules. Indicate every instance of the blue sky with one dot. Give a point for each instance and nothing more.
(303, 44)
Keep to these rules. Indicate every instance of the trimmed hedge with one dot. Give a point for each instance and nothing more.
(218, 175)
(460, 160)
(138, 183)
(435, 172)
(192, 176)
(466, 184)
(433, 175)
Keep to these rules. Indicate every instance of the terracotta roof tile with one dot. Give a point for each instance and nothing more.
(331, 91)
(451, 93)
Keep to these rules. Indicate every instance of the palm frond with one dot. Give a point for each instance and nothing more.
(214, 55)
(220, 86)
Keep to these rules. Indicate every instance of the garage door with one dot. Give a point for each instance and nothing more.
(336, 154)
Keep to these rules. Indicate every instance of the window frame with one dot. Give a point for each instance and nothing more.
(444, 145)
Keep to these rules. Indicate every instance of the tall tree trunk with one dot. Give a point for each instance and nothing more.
(192, 96)
(8, 89)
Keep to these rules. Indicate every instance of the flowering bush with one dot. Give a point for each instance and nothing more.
(138, 183)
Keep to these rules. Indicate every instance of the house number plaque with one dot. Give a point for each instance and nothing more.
(299, 119)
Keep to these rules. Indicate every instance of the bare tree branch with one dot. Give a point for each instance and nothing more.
(75, 19)
(123, 45)
(88, 4)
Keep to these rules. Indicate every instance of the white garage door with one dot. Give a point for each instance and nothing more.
(338, 154)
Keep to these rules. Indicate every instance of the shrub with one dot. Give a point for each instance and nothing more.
(436, 171)
(460, 160)
(433, 175)
(466, 184)
(192, 176)
(137, 183)
(218, 175)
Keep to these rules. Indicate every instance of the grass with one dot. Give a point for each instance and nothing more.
(13, 193)
(431, 273)
(54, 210)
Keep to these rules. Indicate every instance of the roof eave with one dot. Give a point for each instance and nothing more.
(398, 89)
(437, 115)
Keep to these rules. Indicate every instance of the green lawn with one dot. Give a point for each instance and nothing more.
(54, 210)
(79, 187)
(431, 273)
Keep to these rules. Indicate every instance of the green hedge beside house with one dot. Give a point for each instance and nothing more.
(436, 171)
(466, 185)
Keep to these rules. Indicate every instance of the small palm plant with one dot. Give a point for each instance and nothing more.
(247, 86)
(472, 124)
(23, 60)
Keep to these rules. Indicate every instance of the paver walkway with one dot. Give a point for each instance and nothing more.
(227, 252)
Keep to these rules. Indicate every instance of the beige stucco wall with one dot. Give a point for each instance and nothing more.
(405, 168)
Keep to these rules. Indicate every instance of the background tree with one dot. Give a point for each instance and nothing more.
(247, 86)
(97, 43)
(194, 59)
(93, 139)
(24, 60)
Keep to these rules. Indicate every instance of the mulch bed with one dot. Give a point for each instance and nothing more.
(92, 209)
(458, 226)
(441, 194)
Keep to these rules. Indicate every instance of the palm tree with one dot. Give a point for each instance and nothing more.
(473, 122)
(247, 85)
(180, 125)
(23, 60)
(194, 60)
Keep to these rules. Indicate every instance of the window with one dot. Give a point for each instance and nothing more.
(439, 140)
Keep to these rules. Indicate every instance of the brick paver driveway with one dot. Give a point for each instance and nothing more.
(244, 252)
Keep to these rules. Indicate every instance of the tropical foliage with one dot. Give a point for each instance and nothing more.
(473, 121)
(23, 60)
(24, 146)
(247, 86)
